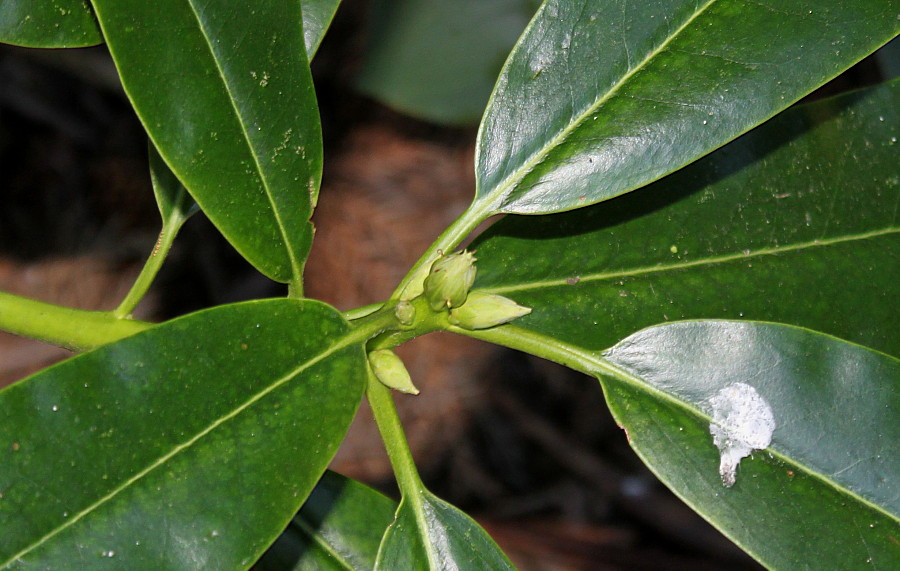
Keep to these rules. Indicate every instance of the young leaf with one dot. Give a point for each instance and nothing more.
(174, 202)
(790, 223)
(339, 527)
(43, 24)
(438, 60)
(599, 98)
(227, 97)
(444, 539)
(188, 445)
(823, 492)
(175, 207)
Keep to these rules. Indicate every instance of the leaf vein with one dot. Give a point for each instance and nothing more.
(600, 276)
(352, 336)
(513, 178)
(295, 266)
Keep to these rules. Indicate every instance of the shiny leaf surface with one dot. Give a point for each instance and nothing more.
(340, 527)
(824, 490)
(792, 223)
(443, 539)
(600, 98)
(48, 23)
(227, 97)
(190, 445)
(438, 60)
(317, 16)
(71, 23)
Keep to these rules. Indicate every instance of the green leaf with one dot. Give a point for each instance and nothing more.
(823, 493)
(46, 24)
(190, 445)
(226, 95)
(443, 539)
(71, 23)
(175, 204)
(317, 16)
(793, 222)
(340, 527)
(599, 98)
(438, 60)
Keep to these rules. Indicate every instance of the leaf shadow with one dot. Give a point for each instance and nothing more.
(721, 164)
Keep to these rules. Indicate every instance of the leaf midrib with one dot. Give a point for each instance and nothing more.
(352, 336)
(296, 269)
(499, 193)
(714, 260)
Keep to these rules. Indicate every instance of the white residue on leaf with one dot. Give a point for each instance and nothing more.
(742, 422)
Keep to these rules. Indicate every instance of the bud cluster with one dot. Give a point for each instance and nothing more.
(447, 287)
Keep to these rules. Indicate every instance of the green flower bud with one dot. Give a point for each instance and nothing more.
(483, 310)
(405, 313)
(450, 279)
(391, 372)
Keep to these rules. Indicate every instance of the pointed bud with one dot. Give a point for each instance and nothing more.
(391, 372)
(483, 310)
(450, 279)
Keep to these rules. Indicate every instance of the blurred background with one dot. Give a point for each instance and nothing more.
(528, 448)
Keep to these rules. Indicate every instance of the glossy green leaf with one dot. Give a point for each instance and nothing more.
(71, 23)
(439, 60)
(226, 94)
(190, 445)
(317, 16)
(794, 222)
(443, 539)
(48, 23)
(600, 98)
(340, 527)
(823, 493)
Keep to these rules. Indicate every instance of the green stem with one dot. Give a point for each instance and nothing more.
(148, 272)
(295, 288)
(399, 454)
(74, 329)
(583, 360)
(426, 320)
(446, 242)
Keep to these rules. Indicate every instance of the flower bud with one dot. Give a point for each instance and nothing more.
(391, 372)
(450, 279)
(405, 313)
(483, 310)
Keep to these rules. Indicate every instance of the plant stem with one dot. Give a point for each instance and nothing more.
(295, 288)
(582, 360)
(74, 329)
(395, 442)
(446, 242)
(148, 272)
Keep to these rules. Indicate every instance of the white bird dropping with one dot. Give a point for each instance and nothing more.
(742, 422)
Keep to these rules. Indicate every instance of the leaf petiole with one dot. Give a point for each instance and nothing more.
(449, 239)
(75, 329)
